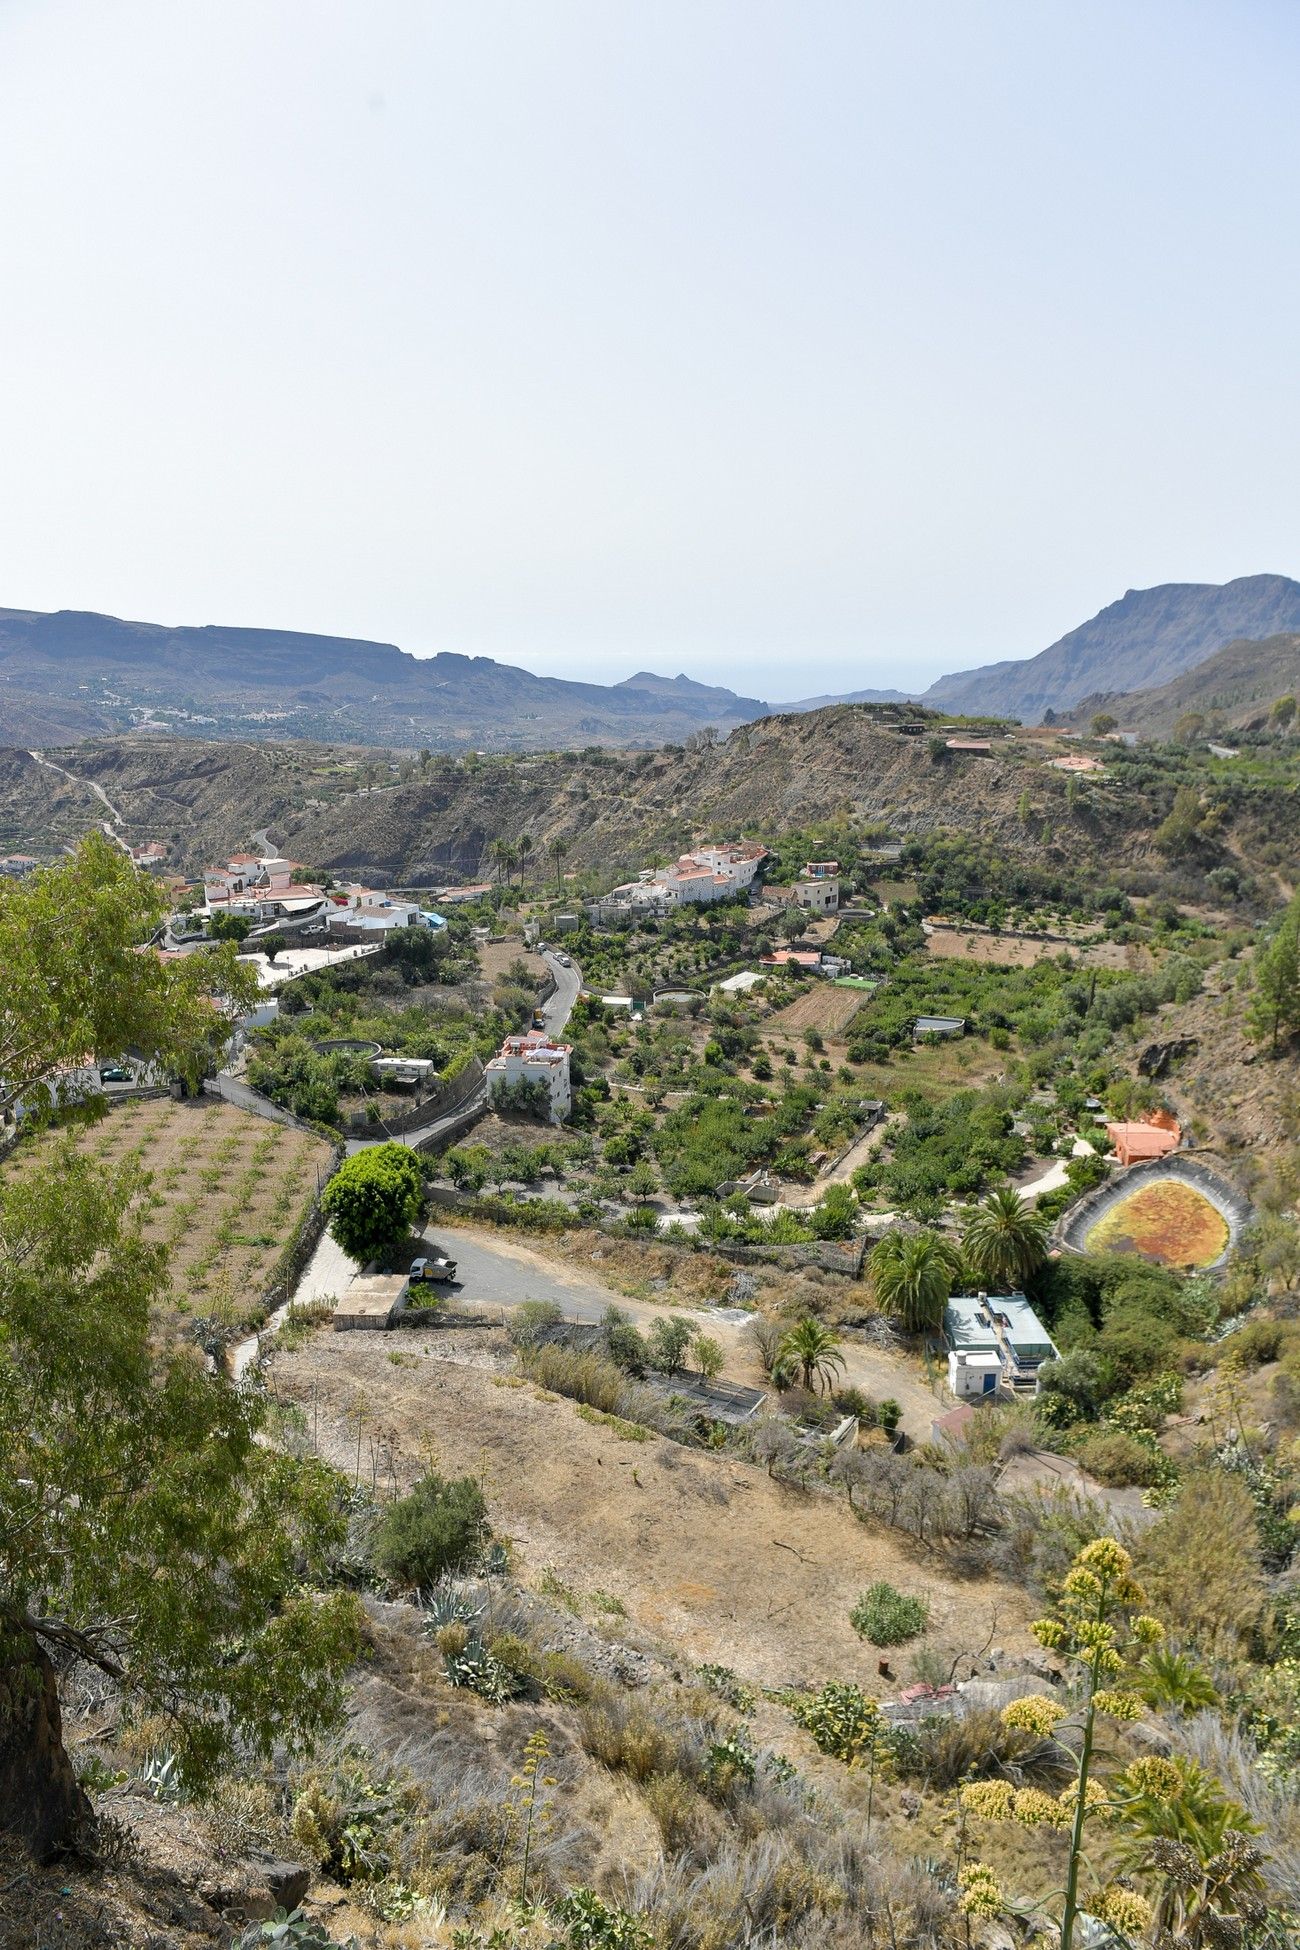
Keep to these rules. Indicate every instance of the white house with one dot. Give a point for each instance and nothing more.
(994, 1344)
(533, 1058)
(817, 891)
(710, 873)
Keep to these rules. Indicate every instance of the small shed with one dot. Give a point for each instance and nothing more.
(373, 1300)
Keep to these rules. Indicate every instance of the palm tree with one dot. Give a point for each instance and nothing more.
(1171, 1679)
(557, 849)
(502, 855)
(912, 1275)
(811, 1350)
(1004, 1239)
(522, 852)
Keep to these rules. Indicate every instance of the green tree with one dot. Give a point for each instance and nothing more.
(810, 1351)
(708, 1356)
(912, 1274)
(1283, 712)
(373, 1200)
(145, 1528)
(1104, 723)
(523, 852)
(1178, 832)
(834, 1217)
(667, 1344)
(502, 855)
(230, 927)
(75, 979)
(441, 1526)
(1004, 1240)
(1273, 1014)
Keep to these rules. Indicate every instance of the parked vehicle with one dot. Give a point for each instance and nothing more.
(115, 1073)
(434, 1266)
(539, 1018)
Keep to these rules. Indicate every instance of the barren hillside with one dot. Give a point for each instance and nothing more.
(336, 809)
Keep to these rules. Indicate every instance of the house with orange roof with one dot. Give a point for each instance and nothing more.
(1137, 1142)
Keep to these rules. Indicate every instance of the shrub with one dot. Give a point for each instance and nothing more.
(841, 1718)
(532, 1321)
(1117, 1459)
(626, 1737)
(584, 1377)
(884, 1616)
(947, 1748)
(441, 1526)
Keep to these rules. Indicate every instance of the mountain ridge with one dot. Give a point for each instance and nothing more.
(69, 674)
(1164, 630)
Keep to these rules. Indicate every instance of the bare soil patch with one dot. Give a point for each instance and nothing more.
(825, 1007)
(706, 1553)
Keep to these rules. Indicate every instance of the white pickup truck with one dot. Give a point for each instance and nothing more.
(434, 1266)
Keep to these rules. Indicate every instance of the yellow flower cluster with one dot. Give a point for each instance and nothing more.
(1123, 1909)
(1050, 1633)
(1103, 1565)
(1147, 1630)
(1120, 1706)
(988, 1800)
(1152, 1776)
(1107, 1558)
(1033, 1714)
(1032, 1808)
(980, 1895)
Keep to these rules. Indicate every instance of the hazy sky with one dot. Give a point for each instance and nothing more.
(800, 346)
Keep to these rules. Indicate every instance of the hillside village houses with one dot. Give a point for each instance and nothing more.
(533, 1058)
(710, 873)
(265, 890)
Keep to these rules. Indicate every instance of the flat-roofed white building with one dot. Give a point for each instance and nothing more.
(533, 1058)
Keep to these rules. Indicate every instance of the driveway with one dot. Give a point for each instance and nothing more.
(495, 1272)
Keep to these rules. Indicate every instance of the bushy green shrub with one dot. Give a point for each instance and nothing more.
(1116, 1458)
(885, 1616)
(441, 1526)
(842, 1719)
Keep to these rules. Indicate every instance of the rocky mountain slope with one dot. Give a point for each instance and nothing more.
(1236, 687)
(75, 674)
(1146, 639)
(430, 822)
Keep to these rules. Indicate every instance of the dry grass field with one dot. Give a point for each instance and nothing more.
(496, 958)
(226, 1193)
(707, 1556)
(822, 1007)
(1008, 951)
